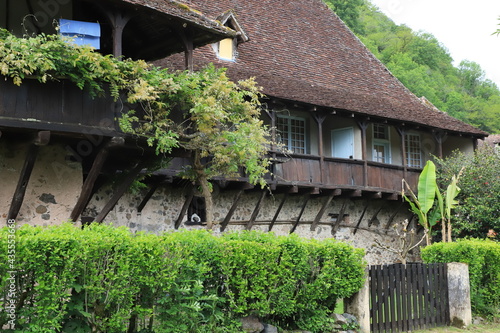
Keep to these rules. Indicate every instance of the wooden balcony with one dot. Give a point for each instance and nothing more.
(313, 171)
(56, 106)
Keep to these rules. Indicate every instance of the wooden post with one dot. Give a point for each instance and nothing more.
(438, 137)
(132, 175)
(336, 225)
(319, 120)
(402, 133)
(118, 22)
(148, 196)
(363, 125)
(230, 213)
(255, 211)
(184, 208)
(297, 221)
(327, 202)
(89, 182)
(361, 217)
(42, 139)
(275, 217)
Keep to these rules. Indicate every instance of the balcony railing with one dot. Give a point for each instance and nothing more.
(331, 172)
(58, 106)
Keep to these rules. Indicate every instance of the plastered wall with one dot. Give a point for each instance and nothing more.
(52, 190)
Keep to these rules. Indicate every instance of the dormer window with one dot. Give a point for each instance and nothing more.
(226, 49)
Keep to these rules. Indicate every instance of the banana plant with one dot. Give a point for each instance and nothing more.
(422, 203)
(430, 205)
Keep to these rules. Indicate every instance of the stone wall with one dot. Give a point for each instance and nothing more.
(56, 182)
(52, 190)
(163, 208)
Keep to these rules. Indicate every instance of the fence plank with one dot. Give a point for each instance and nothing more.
(408, 297)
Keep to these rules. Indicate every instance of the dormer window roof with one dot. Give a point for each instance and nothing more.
(226, 49)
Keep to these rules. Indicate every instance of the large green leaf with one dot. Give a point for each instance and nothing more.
(451, 193)
(427, 187)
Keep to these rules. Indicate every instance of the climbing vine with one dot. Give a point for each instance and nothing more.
(216, 120)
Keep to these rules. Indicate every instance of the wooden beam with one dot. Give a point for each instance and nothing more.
(393, 197)
(336, 225)
(118, 22)
(391, 218)
(89, 182)
(402, 132)
(148, 196)
(372, 219)
(122, 188)
(297, 221)
(363, 125)
(42, 139)
(361, 217)
(355, 193)
(320, 118)
(275, 217)
(321, 212)
(256, 211)
(231, 211)
(185, 206)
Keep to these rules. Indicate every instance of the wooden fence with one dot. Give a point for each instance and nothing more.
(408, 297)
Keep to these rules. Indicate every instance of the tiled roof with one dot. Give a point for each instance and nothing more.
(301, 51)
(183, 12)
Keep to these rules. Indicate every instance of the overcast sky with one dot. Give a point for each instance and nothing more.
(464, 27)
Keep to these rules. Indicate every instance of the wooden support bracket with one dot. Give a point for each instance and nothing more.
(285, 196)
(297, 221)
(95, 170)
(336, 225)
(231, 211)
(42, 139)
(148, 196)
(185, 206)
(391, 218)
(326, 204)
(256, 211)
(374, 217)
(361, 217)
(122, 188)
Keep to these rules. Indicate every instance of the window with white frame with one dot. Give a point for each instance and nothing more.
(292, 133)
(381, 145)
(413, 150)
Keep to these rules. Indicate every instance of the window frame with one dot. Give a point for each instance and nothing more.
(289, 133)
(384, 142)
(408, 158)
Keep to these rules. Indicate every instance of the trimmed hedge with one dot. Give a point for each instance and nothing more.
(106, 279)
(483, 257)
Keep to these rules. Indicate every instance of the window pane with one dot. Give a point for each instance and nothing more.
(293, 133)
(380, 132)
(379, 153)
(413, 154)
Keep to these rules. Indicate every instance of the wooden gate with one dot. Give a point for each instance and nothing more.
(408, 297)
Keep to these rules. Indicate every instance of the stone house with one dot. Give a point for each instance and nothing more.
(353, 130)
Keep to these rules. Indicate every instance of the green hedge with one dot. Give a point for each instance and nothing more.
(483, 257)
(106, 279)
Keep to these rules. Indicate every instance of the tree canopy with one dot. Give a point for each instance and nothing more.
(424, 65)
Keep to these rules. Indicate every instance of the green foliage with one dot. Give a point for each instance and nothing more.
(478, 211)
(424, 201)
(483, 257)
(424, 65)
(215, 119)
(106, 279)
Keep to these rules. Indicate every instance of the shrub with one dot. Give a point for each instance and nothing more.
(106, 279)
(483, 257)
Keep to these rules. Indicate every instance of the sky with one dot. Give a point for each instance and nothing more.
(464, 27)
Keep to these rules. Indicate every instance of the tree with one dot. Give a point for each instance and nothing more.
(478, 213)
(220, 127)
